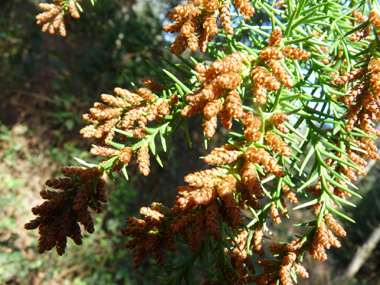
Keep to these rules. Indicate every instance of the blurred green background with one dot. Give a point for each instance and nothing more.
(46, 84)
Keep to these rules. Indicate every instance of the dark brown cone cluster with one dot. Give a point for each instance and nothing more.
(196, 22)
(56, 16)
(59, 216)
(278, 120)
(274, 141)
(127, 111)
(150, 83)
(239, 259)
(363, 108)
(252, 126)
(150, 235)
(265, 79)
(259, 155)
(124, 156)
(374, 18)
(323, 240)
(279, 271)
(217, 82)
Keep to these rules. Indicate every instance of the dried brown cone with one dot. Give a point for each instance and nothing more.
(274, 141)
(229, 80)
(52, 20)
(350, 76)
(58, 183)
(114, 101)
(247, 198)
(225, 17)
(179, 45)
(278, 118)
(146, 94)
(245, 7)
(189, 27)
(275, 37)
(249, 178)
(73, 9)
(374, 18)
(143, 159)
(73, 170)
(174, 99)
(140, 255)
(152, 218)
(150, 83)
(207, 178)
(234, 105)
(104, 151)
(211, 221)
(185, 12)
(47, 194)
(334, 225)
(295, 53)
(152, 242)
(226, 187)
(91, 173)
(212, 92)
(231, 214)
(263, 77)
(289, 194)
(226, 119)
(254, 155)
(230, 63)
(210, 28)
(356, 91)
(125, 155)
(284, 272)
(132, 98)
(172, 28)
(261, 94)
(139, 133)
(361, 34)
(301, 270)
(203, 196)
(209, 126)
(193, 108)
(168, 240)
(198, 234)
(257, 241)
(275, 214)
(223, 155)
(211, 5)
(102, 112)
(359, 18)
(212, 108)
(181, 224)
(280, 73)
(270, 53)
(193, 42)
(374, 65)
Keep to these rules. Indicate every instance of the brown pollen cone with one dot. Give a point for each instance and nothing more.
(275, 37)
(143, 159)
(270, 53)
(212, 223)
(125, 155)
(150, 83)
(225, 17)
(274, 141)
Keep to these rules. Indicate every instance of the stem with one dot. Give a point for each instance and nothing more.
(277, 101)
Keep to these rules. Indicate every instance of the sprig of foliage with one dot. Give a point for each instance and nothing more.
(313, 67)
